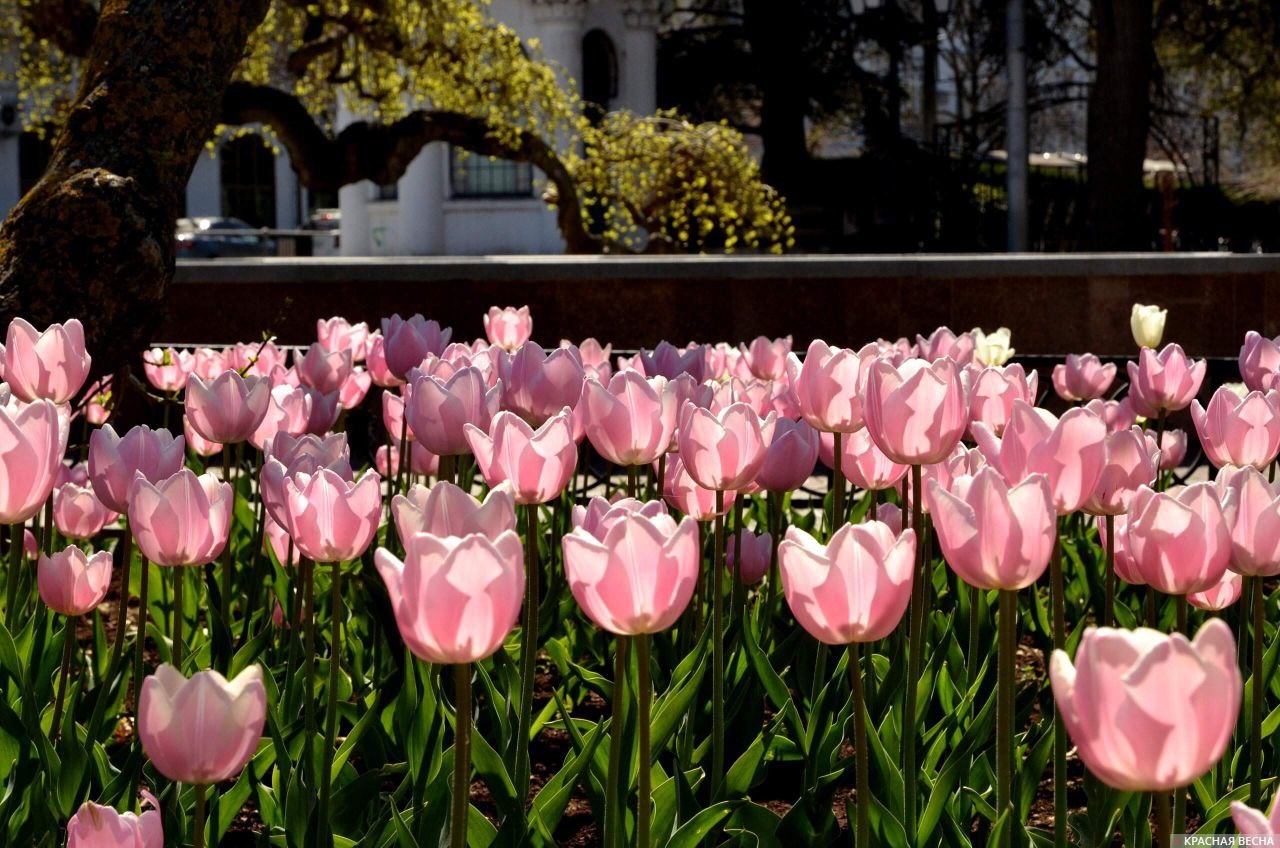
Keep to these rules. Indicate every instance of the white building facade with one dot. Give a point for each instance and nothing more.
(446, 203)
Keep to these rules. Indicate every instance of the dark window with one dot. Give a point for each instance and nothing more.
(599, 69)
(248, 180)
(480, 176)
(390, 191)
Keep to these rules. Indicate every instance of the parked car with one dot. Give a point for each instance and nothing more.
(212, 238)
(328, 222)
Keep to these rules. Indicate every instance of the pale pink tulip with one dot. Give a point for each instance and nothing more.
(406, 342)
(1179, 540)
(446, 510)
(455, 598)
(1254, 518)
(114, 461)
(536, 385)
(1239, 431)
(537, 463)
(1082, 377)
(960, 462)
(630, 421)
(96, 826)
(77, 512)
(992, 391)
(256, 358)
(667, 360)
(1173, 449)
(287, 456)
(682, 492)
(386, 460)
(376, 362)
(181, 520)
(1251, 822)
(757, 550)
(865, 465)
(1070, 451)
(638, 575)
(52, 365)
(993, 535)
(198, 443)
(791, 457)
(282, 546)
(943, 342)
(355, 388)
(853, 589)
(332, 519)
(1125, 568)
(323, 370)
(1218, 597)
(508, 328)
(167, 370)
(599, 514)
(203, 730)
(74, 583)
(337, 334)
(295, 410)
(765, 359)
(33, 438)
(1116, 414)
(595, 359)
(917, 412)
(828, 388)
(438, 410)
(1259, 361)
(229, 409)
(1130, 462)
(207, 364)
(1163, 382)
(98, 406)
(724, 450)
(1149, 712)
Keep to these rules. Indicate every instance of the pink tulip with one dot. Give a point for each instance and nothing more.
(754, 393)
(96, 826)
(915, 413)
(508, 328)
(1083, 377)
(332, 519)
(167, 370)
(207, 364)
(1163, 382)
(1259, 361)
(960, 462)
(30, 547)
(1254, 518)
(638, 573)
(77, 512)
(98, 406)
(446, 510)
(52, 365)
(1219, 597)
(455, 598)
(33, 438)
(599, 514)
(354, 390)
(203, 730)
(1125, 568)
(537, 385)
(791, 457)
(1070, 451)
(995, 536)
(992, 391)
(1251, 822)
(1116, 414)
(1239, 431)
(1173, 449)
(254, 358)
(337, 334)
(282, 546)
(866, 466)
(422, 462)
(1129, 463)
(287, 456)
(73, 583)
(767, 360)
(198, 443)
(537, 463)
(667, 360)
(295, 411)
(1179, 540)
(943, 342)
(181, 520)
(438, 410)
(855, 588)
(376, 362)
(827, 387)
(682, 492)
(77, 473)
(724, 450)
(1149, 712)
(631, 420)
(393, 418)
(229, 409)
(757, 550)
(323, 370)
(406, 342)
(595, 359)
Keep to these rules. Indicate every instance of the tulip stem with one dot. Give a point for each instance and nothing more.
(717, 651)
(1159, 487)
(774, 501)
(975, 631)
(141, 638)
(737, 587)
(1150, 610)
(614, 801)
(309, 663)
(331, 709)
(1057, 590)
(125, 548)
(1163, 816)
(1255, 693)
(1005, 708)
(179, 578)
(1109, 605)
(862, 764)
(528, 653)
(915, 646)
(644, 802)
(68, 647)
(837, 485)
(16, 534)
(461, 755)
(633, 480)
(224, 602)
(198, 827)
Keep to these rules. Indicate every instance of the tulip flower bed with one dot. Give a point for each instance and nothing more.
(579, 599)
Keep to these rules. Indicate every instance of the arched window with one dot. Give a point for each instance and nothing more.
(599, 69)
(248, 181)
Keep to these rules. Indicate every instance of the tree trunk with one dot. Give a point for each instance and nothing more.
(94, 238)
(774, 32)
(1119, 118)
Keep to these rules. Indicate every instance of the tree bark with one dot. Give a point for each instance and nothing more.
(774, 32)
(1119, 119)
(94, 238)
